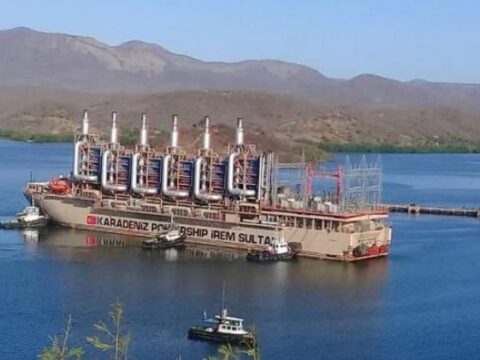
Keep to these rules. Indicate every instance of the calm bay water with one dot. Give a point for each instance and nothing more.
(421, 302)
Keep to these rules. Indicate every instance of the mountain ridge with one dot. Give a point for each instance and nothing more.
(41, 58)
(80, 63)
(46, 79)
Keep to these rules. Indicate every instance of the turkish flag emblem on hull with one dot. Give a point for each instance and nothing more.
(91, 220)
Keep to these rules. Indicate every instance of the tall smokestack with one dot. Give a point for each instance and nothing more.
(114, 131)
(85, 122)
(174, 136)
(206, 135)
(143, 131)
(239, 133)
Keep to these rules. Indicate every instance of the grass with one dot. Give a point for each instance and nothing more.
(129, 136)
(312, 150)
(453, 147)
(35, 137)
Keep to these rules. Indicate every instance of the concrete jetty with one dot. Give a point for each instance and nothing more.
(432, 210)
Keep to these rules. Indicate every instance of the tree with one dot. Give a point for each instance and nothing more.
(224, 352)
(227, 352)
(59, 350)
(252, 349)
(114, 339)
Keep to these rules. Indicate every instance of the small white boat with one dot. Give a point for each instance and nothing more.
(31, 216)
(278, 250)
(172, 237)
(223, 329)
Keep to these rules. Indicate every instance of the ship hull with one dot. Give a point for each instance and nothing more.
(81, 213)
(201, 334)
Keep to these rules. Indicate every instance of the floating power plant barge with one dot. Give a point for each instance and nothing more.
(223, 201)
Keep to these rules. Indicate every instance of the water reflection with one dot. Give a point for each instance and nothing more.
(208, 253)
(30, 236)
(54, 236)
(312, 272)
(332, 279)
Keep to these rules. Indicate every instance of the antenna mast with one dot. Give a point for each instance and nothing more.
(223, 297)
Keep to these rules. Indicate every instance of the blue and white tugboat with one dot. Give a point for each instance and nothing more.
(277, 250)
(223, 329)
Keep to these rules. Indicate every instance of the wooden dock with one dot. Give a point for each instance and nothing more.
(432, 210)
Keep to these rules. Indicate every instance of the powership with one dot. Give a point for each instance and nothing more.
(230, 200)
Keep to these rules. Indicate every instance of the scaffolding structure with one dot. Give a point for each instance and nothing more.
(301, 181)
(294, 176)
(362, 185)
(357, 186)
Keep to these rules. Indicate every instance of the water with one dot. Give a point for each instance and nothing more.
(421, 302)
(429, 179)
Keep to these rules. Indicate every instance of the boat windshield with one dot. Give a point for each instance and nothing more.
(29, 210)
(172, 226)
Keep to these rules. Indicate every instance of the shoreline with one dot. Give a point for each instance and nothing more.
(399, 149)
(327, 147)
(35, 138)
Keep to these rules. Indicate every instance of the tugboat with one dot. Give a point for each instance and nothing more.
(170, 238)
(277, 250)
(223, 329)
(28, 218)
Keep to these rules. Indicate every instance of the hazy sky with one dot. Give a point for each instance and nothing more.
(403, 39)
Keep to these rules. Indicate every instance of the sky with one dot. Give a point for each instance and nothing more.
(436, 40)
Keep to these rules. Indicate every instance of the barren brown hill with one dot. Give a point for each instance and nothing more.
(32, 58)
(279, 122)
(47, 79)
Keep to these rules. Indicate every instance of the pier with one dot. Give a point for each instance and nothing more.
(432, 210)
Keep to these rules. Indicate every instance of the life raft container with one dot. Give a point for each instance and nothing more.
(59, 186)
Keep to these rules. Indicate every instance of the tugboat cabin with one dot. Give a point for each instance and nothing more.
(279, 247)
(230, 325)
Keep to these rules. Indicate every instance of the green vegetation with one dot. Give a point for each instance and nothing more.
(113, 342)
(129, 135)
(59, 350)
(450, 144)
(310, 151)
(19, 135)
(454, 147)
(227, 352)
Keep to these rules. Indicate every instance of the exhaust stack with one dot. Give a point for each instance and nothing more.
(206, 135)
(85, 122)
(114, 131)
(174, 135)
(78, 155)
(143, 131)
(239, 133)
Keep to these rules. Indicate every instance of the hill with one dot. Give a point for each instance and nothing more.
(47, 79)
